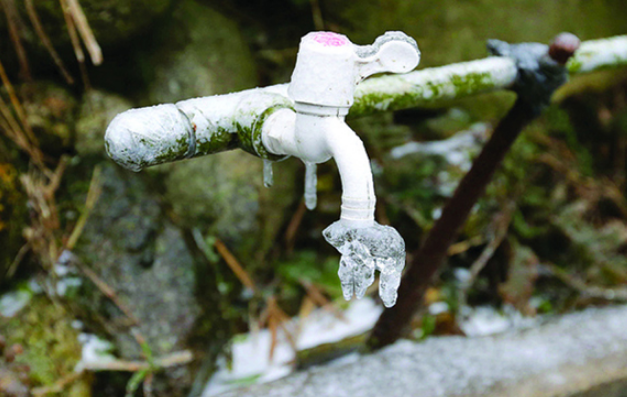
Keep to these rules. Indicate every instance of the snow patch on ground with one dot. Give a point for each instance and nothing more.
(251, 352)
(12, 302)
(94, 351)
(486, 320)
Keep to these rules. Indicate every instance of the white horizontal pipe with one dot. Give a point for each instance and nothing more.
(214, 119)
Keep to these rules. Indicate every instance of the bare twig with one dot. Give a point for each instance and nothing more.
(278, 319)
(234, 264)
(45, 40)
(463, 246)
(107, 291)
(12, 22)
(17, 260)
(76, 45)
(610, 294)
(500, 226)
(316, 14)
(14, 132)
(168, 361)
(85, 31)
(318, 298)
(58, 386)
(17, 106)
(292, 227)
(93, 194)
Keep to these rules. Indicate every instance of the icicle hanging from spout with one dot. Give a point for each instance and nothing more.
(311, 185)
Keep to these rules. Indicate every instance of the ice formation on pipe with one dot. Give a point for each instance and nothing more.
(305, 119)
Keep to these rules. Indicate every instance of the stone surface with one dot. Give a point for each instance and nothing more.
(143, 258)
(199, 52)
(129, 243)
(572, 354)
(96, 111)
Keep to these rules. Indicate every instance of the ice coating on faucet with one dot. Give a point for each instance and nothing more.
(311, 186)
(328, 69)
(365, 250)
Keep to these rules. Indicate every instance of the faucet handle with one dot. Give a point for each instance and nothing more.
(328, 66)
(393, 52)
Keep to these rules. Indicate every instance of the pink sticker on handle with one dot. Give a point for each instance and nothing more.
(330, 39)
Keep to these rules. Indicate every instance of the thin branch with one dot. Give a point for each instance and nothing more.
(168, 361)
(292, 227)
(95, 188)
(18, 259)
(12, 21)
(318, 298)
(76, 44)
(58, 386)
(234, 264)
(17, 106)
(107, 291)
(609, 294)
(501, 224)
(316, 14)
(85, 31)
(45, 40)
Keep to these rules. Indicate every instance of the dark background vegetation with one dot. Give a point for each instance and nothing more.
(183, 256)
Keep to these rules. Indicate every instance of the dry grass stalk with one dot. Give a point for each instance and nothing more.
(235, 266)
(76, 45)
(80, 21)
(618, 294)
(316, 14)
(292, 227)
(17, 106)
(107, 291)
(45, 40)
(41, 234)
(314, 293)
(58, 386)
(13, 20)
(277, 319)
(95, 188)
(14, 132)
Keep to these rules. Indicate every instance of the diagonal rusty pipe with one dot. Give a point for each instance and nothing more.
(540, 71)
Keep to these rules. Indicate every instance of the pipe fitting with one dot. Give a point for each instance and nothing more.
(140, 138)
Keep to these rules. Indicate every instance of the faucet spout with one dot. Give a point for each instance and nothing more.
(349, 153)
(315, 139)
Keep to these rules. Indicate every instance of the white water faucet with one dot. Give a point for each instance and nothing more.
(306, 120)
(328, 68)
